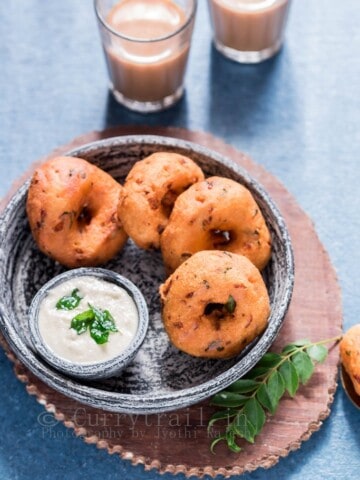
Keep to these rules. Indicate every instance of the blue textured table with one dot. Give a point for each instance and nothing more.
(297, 115)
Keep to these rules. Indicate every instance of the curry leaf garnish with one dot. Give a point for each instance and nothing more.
(221, 309)
(230, 305)
(105, 319)
(246, 402)
(100, 324)
(69, 302)
(81, 322)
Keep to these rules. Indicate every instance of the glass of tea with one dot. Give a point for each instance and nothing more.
(146, 45)
(248, 31)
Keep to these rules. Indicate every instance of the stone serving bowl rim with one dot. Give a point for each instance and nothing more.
(147, 403)
(96, 370)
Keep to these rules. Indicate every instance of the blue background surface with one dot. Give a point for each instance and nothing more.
(297, 115)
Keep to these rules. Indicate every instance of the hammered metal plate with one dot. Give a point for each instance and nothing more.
(161, 378)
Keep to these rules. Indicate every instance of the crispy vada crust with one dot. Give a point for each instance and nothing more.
(350, 355)
(72, 211)
(217, 213)
(195, 297)
(149, 193)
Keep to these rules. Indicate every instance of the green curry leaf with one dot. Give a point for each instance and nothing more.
(69, 302)
(245, 401)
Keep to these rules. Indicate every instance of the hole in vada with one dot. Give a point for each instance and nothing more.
(168, 200)
(217, 311)
(221, 238)
(84, 217)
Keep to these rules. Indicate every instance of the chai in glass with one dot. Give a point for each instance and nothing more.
(146, 45)
(248, 31)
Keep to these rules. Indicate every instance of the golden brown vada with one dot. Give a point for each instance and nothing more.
(350, 355)
(214, 304)
(72, 211)
(149, 193)
(216, 214)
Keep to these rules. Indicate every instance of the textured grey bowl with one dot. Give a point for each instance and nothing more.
(93, 371)
(160, 378)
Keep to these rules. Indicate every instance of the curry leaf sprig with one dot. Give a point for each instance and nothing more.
(247, 400)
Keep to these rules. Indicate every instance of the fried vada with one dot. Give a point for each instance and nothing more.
(214, 304)
(216, 214)
(350, 355)
(149, 193)
(72, 211)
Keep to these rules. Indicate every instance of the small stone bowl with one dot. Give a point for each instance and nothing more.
(102, 369)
